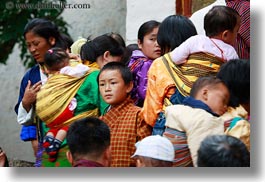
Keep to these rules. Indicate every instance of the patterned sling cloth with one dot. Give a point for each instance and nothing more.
(55, 96)
(198, 65)
(182, 152)
(179, 141)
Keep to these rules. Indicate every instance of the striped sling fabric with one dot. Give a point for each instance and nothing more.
(182, 152)
(198, 65)
(55, 96)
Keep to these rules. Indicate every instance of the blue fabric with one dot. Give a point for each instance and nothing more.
(177, 97)
(234, 121)
(28, 133)
(159, 126)
(34, 76)
(190, 101)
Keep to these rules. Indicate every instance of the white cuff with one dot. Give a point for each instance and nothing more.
(24, 117)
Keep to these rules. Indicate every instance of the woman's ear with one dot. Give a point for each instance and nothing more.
(52, 41)
(139, 44)
(106, 56)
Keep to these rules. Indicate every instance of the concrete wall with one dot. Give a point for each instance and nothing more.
(140, 11)
(102, 17)
(11, 74)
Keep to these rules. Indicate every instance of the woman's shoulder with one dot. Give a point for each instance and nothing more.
(32, 73)
(33, 70)
(157, 63)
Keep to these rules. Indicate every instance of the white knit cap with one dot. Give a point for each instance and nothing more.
(156, 147)
(76, 46)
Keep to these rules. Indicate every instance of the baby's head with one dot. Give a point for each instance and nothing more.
(154, 151)
(55, 59)
(223, 23)
(115, 83)
(213, 92)
(76, 46)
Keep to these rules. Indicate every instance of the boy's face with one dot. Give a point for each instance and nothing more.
(217, 98)
(112, 87)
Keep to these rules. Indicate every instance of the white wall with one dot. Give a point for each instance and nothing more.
(140, 11)
(197, 17)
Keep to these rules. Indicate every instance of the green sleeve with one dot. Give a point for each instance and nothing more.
(88, 96)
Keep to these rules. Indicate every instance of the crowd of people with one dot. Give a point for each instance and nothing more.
(173, 99)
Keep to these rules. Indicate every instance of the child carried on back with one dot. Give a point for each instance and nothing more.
(202, 55)
(57, 61)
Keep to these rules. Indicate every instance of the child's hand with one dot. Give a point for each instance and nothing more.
(74, 56)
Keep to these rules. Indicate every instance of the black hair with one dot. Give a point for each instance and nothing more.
(122, 68)
(55, 58)
(173, 31)
(88, 136)
(223, 151)
(219, 19)
(236, 75)
(146, 28)
(68, 40)
(128, 53)
(117, 37)
(201, 82)
(46, 29)
(92, 49)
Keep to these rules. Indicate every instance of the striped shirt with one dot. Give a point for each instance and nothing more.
(242, 45)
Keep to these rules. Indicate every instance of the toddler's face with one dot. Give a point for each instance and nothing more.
(112, 87)
(218, 98)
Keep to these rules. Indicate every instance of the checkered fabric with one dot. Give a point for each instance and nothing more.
(126, 129)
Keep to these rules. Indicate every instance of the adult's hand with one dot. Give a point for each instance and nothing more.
(30, 95)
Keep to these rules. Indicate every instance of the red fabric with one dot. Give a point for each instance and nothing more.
(243, 37)
(64, 116)
(87, 163)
